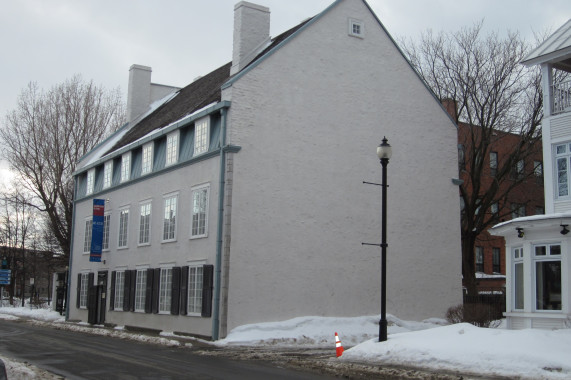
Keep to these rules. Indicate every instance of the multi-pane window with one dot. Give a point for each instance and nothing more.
(199, 222)
(169, 221)
(493, 163)
(539, 210)
(119, 290)
(461, 157)
(107, 174)
(147, 165)
(140, 290)
(518, 279)
(87, 236)
(172, 148)
(90, 181)
(518, 210)
(496, 260)
(538, 172)
(547, 259)
(106, 221)
(563, 170)
(165, 290)
(495, 210)
(83, 289)
(479, 259)
(123, 228)
(520, 169)
(125, 166)
(145, 223)
(195, 275)
(201, 136)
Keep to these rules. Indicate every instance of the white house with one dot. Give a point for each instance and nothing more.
(538, 248)
(240, 198)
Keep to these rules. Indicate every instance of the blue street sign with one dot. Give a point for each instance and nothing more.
(5, 275)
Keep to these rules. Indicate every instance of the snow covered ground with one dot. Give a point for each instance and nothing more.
(430, 344)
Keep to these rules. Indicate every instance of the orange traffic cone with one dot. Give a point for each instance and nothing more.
(338, 346)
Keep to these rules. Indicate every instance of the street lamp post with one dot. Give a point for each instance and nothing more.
(384, 153)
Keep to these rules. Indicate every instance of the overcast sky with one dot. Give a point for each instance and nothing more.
(50, 41)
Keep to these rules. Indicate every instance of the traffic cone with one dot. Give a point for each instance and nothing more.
(338, 346)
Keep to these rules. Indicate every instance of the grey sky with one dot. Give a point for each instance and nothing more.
(50, 41)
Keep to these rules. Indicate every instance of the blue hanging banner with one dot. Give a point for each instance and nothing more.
(97, 230)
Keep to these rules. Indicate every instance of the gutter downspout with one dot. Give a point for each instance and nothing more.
(68, 281)
(220, 230)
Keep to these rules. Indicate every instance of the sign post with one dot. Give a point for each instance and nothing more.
(97, 230)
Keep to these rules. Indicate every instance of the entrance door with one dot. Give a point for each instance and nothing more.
(96, 300)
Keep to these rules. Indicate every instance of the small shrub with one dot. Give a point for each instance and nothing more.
(479, 315)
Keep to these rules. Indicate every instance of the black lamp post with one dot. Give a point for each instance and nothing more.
(384, 153)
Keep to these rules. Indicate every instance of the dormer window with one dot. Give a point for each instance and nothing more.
(172, 148)
(90, 181)
(563, 170)
(125, 166)
(107, 174)
(147, 166)
(201, 136)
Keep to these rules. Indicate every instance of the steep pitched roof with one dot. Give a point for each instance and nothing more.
(198, 94)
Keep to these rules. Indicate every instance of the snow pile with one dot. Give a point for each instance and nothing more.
(319, 331)
(42, 314)
(531, 353)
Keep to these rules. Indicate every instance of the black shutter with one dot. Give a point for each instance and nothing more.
(78, 299)
(149, 291)
(126, 290)
(207, 281)
(175, 290)
(156, 288)
(112, 291)
(133, 288)
(184, 291)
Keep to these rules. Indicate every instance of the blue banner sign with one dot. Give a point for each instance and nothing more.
(5, 275)
(97, 230)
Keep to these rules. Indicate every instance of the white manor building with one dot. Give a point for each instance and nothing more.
(240, 199)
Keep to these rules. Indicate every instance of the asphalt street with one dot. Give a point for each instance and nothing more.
(77, 355)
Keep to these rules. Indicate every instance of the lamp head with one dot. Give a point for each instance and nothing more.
(520, 233)
(565, 230)
(384, 150)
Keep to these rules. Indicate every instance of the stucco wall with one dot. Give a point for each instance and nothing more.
(179, 253)
(309, 119)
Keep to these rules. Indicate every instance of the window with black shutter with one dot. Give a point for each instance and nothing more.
(175, 290)
(112, 292)
(183, 291)
(149, 291)
(156, 289)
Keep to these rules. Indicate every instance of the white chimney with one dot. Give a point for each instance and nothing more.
(139, 91)
(251, 33)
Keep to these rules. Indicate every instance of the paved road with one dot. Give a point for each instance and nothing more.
(76, 355)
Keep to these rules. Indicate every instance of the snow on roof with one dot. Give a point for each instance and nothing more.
(534, 218)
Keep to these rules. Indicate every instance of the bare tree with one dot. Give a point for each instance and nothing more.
(45, 136)
(495, 97)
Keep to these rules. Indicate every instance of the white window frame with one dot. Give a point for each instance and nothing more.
(123, 231)
(170, 204)
(202, 136)
(517, 259)
(356, 28)
(195, 283)
(199, 231)
(83, 290)
(107, 174)
(548, 257)
(140, 290)
(145, 222)
(87, 235)
(564, 156)
(172, 148)
(90, 181)
(106, 225)
(479, 258)
(165, 290)
(147, 158)
(125, 167)
(119, 290)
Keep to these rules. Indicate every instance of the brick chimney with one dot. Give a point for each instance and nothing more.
(139, 91)
(451, 107)
(251, 33)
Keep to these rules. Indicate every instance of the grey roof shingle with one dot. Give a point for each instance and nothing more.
(198, 94)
